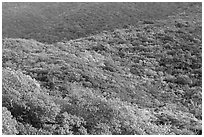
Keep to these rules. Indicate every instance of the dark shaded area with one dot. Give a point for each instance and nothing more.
(54, 22)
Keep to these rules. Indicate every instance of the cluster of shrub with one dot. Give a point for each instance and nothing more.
(139, 80)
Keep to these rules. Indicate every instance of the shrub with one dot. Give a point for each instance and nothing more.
(8, 123)
(26, 101)
(70, 124)
(183, 79)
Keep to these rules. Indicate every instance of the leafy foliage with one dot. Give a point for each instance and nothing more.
(8, 123)
(137, 80)
(23, 98)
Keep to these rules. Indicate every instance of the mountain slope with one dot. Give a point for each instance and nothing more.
(54, 22)
(145, 79)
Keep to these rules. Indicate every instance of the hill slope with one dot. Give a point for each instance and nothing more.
(54, 22)
(145, 79)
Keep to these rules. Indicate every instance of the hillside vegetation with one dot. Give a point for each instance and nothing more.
(55, 22)
(143, 79)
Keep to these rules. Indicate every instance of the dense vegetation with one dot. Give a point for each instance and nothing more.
(55, 22)
(143, 79)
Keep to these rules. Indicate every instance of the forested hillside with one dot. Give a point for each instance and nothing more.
(56, 22)
(144, 79)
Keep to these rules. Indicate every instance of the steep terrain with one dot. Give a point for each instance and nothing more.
(143, 79)
(54, 22)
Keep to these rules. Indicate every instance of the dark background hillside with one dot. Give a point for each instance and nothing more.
(54, 22)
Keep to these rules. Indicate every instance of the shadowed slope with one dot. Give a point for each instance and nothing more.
(54, 22)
